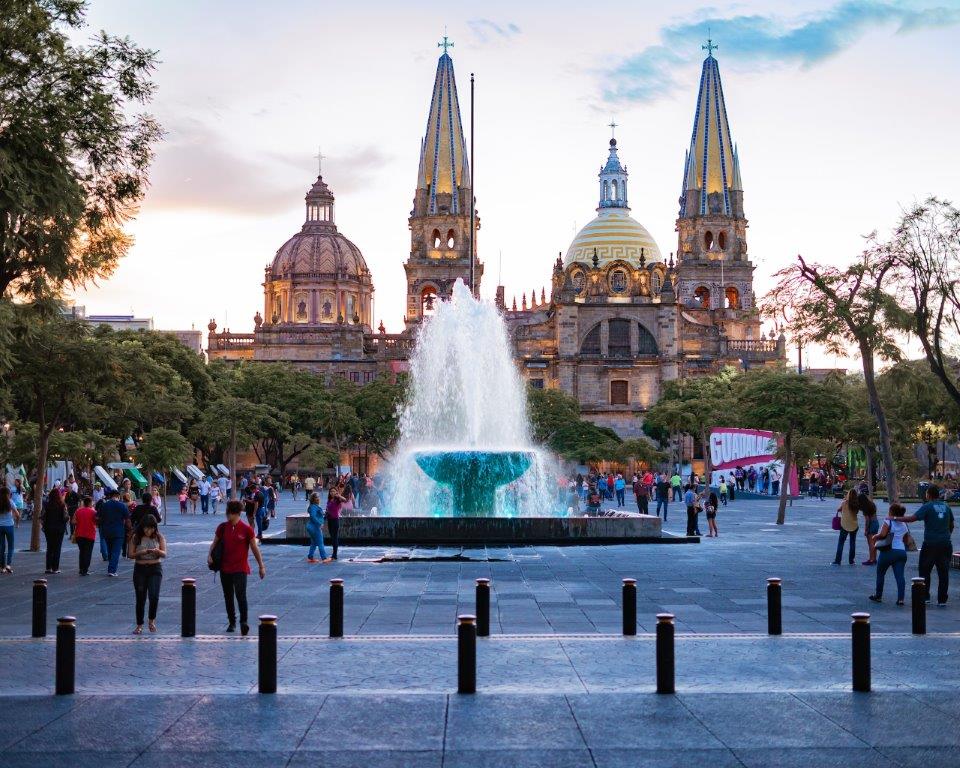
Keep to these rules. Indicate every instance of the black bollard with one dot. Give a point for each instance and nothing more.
(918, 605)
(336, 607)
(39, 608)
(188, 608)
(66, 655)
(665, 656)
(860, 636)
(483, 607)
(630, 607)
(466, 654)
(267, 655)
(774, 608)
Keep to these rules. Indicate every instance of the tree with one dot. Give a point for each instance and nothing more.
(73, 152)
(792, 405)
(925, 249)
(377, 405)
(837, 308)
(162, 448)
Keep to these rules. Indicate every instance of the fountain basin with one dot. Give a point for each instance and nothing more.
(473, 476)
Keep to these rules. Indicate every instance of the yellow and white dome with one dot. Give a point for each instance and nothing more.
(613, 235)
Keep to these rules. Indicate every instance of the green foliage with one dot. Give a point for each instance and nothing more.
(162, 448)
(378, 405)
(549, 411)
(73, 152)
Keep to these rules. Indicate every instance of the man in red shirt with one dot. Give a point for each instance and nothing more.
(238, 539)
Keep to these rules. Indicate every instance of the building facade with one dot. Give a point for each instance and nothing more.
(619, 321)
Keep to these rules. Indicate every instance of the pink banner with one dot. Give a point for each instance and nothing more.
(731, 447)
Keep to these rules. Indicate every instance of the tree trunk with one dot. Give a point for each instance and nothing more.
(233, 462)
(869, 469)
(43, 449)
(707, 466)
(886, 450)
(163, 498)
(785, 478)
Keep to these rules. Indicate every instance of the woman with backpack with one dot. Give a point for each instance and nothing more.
(892, 552)
(315, 530)
(847, 512)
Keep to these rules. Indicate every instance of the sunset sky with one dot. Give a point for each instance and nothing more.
(844, 112)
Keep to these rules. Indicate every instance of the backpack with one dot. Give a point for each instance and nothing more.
(216, 554)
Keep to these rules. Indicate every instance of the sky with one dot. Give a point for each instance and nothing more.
(844, 114)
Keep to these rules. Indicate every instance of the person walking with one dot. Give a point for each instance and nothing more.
(114, 521)
(676, 483)
(53, 520)
(315, 530)
(270, 496)
(214, 498)
(9, 517)
(238, 540)
(193, 494)
(85, 532)
(938, 524)
(147, 548)
(141, 510)
(619, 484)
(848, 527)
(891, 552)
(723, 490)
(641, 494)
(871, 526)
(663, 494)
(203, 488)
(712, 505)
(690, 500)
(182, 498)
(335, 501)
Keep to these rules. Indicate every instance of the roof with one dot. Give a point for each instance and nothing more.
(612, 235)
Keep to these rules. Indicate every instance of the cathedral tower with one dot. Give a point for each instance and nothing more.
(440, 219)
(714, 272)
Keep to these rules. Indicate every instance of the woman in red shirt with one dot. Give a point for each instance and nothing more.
(238, 539)
(85, 532)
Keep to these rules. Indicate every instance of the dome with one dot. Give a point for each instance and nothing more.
(613, 235)
(319, 251)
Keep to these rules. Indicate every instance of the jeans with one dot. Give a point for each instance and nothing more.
(6, 545)
(54, 545)
(104, 552)
(261, 514)
(677, 496)
(723, 499)
(86, 551)
(114, 548)
(775, 487)
(853, 546)
(620, 501)
(204, 503)
(663, 502)
(936, 555)
(146, 581)
(691, 521)
(333, 528)
(897, 558)
(316, 542)
(235, 584)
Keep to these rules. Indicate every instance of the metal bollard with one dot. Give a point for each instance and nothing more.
(466, 654)
(267, 655)
(860, 636)
(665, 656)
(39, 608)
(336, 607)
(188, 608)
(66, 655)
(483, 607)
(918, 605)
(774, 606)
(630, 607)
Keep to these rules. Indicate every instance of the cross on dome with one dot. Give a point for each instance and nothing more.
(320, 158)
(613, 129)
(445, 44)
(710, 47)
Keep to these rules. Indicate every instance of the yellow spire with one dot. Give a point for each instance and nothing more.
(711, 164)
(443, 155)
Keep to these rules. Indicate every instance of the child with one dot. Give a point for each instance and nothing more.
(214, 497)
(182, 498)
(723, 490)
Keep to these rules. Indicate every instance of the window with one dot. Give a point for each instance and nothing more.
(707, 239)
(722, 240)
(435, 237)
(606, 190)
(732, 296)
(618, 281)
(656, 281)
(619, 392)
(702, 297)
(618, 343)
(428, 301)
(591, 344)
(646, 343)
(355, 377)
(369, 376)
(451, 239)
(536, 383)
(613, 187)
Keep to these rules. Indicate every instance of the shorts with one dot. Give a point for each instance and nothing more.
(873, 526)
(711, 515)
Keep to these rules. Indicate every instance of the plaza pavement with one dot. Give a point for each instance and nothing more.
(557, 685)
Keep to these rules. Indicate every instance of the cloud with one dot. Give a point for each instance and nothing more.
(487, 31)
(196, 170)
(805, 40)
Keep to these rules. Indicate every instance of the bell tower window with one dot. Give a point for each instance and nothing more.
(451, 240)
(722, 241)
(428, 301)
(732, 296)
(435, 237)
(702, 297)
(707, 240)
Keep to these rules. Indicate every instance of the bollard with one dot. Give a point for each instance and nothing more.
(774, 609)
(66, 655)
(630, 607)
(336, 607)
(39, 608)
(918, 605)
(267, 655)
(188, 608)
(466, 654)
(860, 636)
(665, 656)
(483, 607)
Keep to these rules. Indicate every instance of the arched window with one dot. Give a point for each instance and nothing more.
(702, 296)
(591, 343)
(606, 190)
(613, 187)
(656, 282)
(618, 340)
(722, 240)
(707, 239)
(451, 239)
(646, 343)
(732, 296)
(436, 238)
(428, 301)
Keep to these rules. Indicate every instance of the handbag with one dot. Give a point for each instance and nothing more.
(835, 523)
(886, 543)
(216, 554)
(909, 543)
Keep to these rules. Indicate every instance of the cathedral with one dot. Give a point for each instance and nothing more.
(620, 319)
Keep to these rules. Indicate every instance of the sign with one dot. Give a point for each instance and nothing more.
(731, 448)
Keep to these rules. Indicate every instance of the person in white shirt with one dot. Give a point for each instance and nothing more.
(214, 496)
(204, 486)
